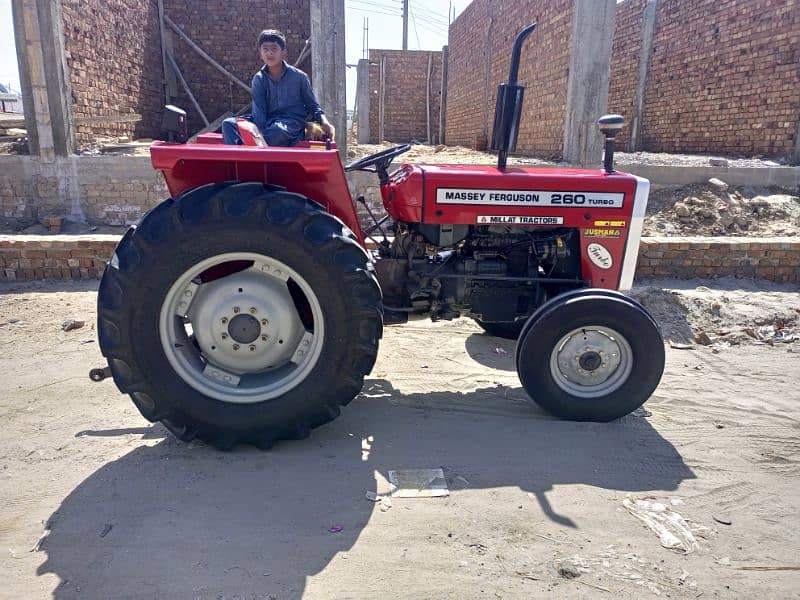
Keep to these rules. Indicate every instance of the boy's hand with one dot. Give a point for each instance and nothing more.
(329, 129)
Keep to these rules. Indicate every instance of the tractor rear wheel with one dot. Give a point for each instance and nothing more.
(239, 312)
(590, 355)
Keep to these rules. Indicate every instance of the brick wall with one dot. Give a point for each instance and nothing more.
(480, 44)
(772, 259)
(723, 75)
(405, 97)
(55, 257)
(625, 55)
(113, 54)
(228, 32)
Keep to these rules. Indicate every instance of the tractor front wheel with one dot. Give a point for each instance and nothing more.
(239, 313)
(590, 355)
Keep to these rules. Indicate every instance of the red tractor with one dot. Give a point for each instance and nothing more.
(247, 308)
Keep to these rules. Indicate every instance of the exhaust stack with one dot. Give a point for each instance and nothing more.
(508, 109)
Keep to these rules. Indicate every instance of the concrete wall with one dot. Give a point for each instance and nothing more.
(102, 190)
(404, 94)
(108, 190)
(480, 44)
(723, 76)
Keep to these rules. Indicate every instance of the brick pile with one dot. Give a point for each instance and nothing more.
(773, 259)
(405, 97)
(723, 75)
(113, 55)
(480, 44)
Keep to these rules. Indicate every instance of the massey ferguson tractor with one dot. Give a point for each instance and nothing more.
(247, 308)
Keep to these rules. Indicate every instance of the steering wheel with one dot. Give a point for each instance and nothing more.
(381, 159)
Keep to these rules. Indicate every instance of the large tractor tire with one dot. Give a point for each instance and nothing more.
(590, 355)
(239, 312)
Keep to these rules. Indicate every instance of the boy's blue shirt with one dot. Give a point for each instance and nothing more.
(289, 100)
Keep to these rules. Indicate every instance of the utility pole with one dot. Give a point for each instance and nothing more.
(365, 38)
(405, 24)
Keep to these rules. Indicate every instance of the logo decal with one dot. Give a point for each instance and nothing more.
(609, 223)
(529, 198)
(602, 233)
(518, 220)
(600, 256)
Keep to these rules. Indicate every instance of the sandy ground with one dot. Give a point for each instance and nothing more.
(97, 503)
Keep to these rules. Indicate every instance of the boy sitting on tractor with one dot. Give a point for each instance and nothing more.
(282, 98)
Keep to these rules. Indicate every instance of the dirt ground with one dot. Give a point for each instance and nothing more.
(97, 503)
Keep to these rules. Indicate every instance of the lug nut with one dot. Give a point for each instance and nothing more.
(252, 310)
(252, 348)
(236, 346)
(236, 309)
(263, 338)
(224, 336)
(264, 321)
(224, 320)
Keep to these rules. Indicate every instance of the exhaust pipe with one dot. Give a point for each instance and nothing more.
(508, 109)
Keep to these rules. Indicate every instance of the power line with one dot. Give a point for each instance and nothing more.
(414, 21)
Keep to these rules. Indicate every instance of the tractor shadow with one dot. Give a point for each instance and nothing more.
(170, 519)
(492, 351)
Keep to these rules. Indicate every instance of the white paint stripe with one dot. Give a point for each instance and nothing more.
(634, 233)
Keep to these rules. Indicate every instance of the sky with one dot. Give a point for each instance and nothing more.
(8, 54)
(427, 30)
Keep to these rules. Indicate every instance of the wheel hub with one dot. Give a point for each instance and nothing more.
(591, 361)
(240, 338)
(244, 328)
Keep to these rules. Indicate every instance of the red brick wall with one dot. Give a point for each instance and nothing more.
(25, 257)
(723, 76)
(625, 55)
(228, 32)
(485, 31)
(405, 98)
(466, 82)
(113, 52)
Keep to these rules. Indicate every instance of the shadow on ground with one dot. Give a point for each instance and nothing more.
(256, 524)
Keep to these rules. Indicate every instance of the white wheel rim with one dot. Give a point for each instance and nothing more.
(591, 361)
(240, 338)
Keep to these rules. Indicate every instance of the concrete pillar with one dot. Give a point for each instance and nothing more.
(46, 97)
(328, 64)
(648, 30)
(589, 74)
(362, 101)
